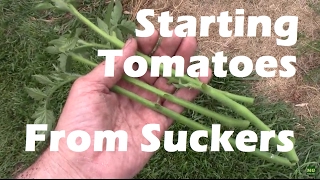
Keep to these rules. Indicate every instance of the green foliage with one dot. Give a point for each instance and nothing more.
(60, 4)
(44, 6)
(44, 114)
(113, 23)
(51, 4)
(36, 93)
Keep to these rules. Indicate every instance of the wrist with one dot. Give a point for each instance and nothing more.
(50, 165)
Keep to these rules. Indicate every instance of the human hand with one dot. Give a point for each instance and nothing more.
(91, 106)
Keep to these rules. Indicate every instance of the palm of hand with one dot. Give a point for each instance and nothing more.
(91, 107)
(110, 111)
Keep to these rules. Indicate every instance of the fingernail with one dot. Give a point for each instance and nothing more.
(128, 42)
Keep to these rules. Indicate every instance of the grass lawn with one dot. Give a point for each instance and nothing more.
(25, 33)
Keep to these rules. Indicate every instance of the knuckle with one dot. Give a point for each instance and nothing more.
(79, 82)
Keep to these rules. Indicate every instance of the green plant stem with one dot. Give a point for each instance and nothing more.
(216, 94)
(225, 120)
(190, 105)
(82, 59)
(118, 43)
(196, 126)
(247, 114)
(85, 45)
(92, 44)
(113, 40)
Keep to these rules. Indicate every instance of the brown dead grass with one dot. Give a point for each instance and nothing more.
(292, 90)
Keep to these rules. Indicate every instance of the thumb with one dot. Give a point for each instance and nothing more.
(97, 75)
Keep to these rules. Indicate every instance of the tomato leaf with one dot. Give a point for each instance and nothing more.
(52, 50)
(116, 13)
(35, 93)
(102, 25)
(108, 14)
(42, 79)
(44, 6)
